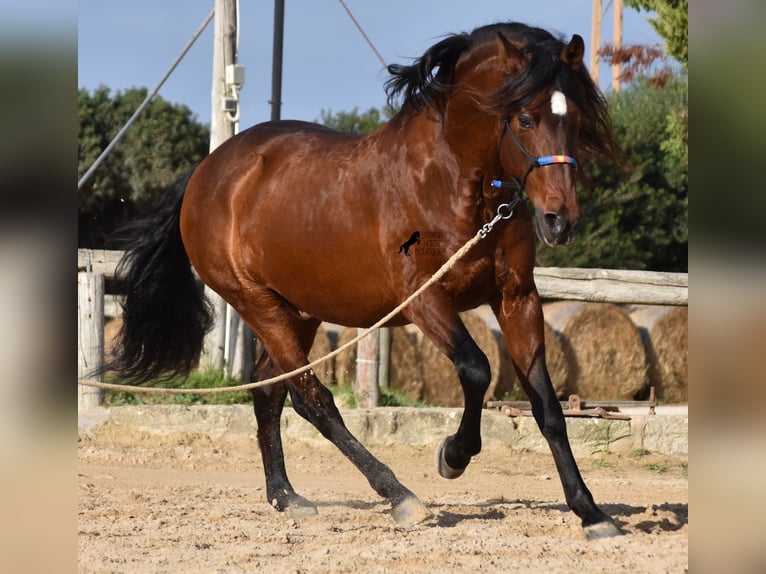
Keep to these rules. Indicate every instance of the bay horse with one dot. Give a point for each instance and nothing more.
(293, 224)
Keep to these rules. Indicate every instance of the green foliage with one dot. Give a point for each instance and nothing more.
(195, 380)
(636, 216)
(164, 142)
(355, 123)
(344, 395)
(671, 23)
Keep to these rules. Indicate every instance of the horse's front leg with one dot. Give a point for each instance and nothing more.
(434, 313)
(521, 320)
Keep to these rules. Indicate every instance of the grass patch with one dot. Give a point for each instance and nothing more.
(344, 395)
(656, 467)
(195, 380)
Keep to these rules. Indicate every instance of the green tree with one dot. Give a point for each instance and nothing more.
(163, 143)
(635, 216)
(671, 23)
(355, 123)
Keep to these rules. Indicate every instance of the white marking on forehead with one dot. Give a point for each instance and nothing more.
(559, 103)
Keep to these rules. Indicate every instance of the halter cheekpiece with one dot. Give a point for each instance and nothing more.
(535, 161)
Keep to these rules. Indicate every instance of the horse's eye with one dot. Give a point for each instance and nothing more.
(525, 122)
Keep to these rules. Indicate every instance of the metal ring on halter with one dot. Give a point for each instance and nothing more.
(507, 206)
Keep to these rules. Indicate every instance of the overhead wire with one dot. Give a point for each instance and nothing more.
(107, 150)
(363, 33)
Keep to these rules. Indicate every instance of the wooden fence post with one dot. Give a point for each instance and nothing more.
(384, 368)
(90, 344)
(367, 363)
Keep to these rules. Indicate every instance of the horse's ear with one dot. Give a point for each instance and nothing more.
(505, 49)
(573, 52)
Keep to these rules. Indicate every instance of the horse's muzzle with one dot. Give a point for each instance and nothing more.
(555, 228)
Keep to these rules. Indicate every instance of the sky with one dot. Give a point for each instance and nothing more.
(327, 63)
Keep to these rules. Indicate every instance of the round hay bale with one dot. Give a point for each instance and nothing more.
(665, 332)
(604, 350)
(325, 372)
(111, 330)
(556, 361)
(404, 368)
(441, 385)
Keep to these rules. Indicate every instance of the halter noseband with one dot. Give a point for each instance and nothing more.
(535, 161)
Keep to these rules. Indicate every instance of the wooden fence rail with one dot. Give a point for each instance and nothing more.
(599, 285)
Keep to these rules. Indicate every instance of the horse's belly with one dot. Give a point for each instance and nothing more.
(343, 285)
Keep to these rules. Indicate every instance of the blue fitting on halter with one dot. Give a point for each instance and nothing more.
(510, 184)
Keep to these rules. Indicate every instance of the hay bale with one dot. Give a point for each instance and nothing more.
(441, 385)
(557, 362)
(112, 329)
(603, 348)
(665, 333)
(325, 372)
(404, 369)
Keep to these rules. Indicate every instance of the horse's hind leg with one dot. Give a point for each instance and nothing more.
(521, 320)
(279, 330)
(268, 403)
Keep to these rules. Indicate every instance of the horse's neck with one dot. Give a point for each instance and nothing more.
(435, 177)
(416, 145)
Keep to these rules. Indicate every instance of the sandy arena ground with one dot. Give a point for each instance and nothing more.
(186, 503)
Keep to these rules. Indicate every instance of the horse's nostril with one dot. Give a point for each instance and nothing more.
(554, 222)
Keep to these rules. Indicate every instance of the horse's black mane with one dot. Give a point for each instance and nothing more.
(428, 81)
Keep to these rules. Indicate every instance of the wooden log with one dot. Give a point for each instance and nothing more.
(665, 333)
(615, 286)
(441, 385)
(90, 343)
(606, 356)
(103, 261)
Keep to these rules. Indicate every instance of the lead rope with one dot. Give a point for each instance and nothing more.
(504, 211)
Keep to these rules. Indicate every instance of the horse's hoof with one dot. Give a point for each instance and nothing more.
(605, 529)
(300, 508)
(410, 512)
(445, 470)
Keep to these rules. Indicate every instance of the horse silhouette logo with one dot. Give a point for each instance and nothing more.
(405, 247)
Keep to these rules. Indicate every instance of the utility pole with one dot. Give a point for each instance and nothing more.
(276, 64)
(617, 41)
(227, 79)
(595, 40)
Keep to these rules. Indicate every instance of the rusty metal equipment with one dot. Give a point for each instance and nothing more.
(577, 407)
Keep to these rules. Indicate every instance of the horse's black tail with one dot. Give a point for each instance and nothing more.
(165, 313)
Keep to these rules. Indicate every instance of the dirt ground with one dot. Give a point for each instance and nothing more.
(186, 503)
